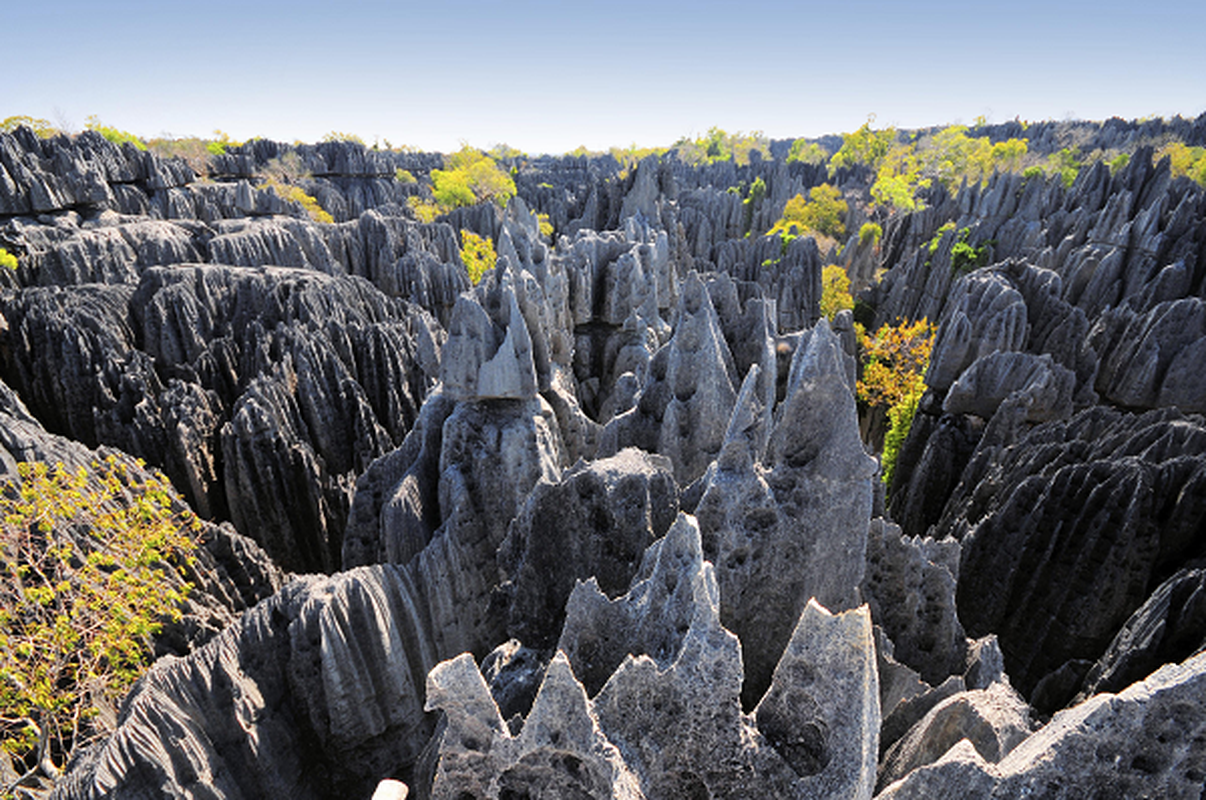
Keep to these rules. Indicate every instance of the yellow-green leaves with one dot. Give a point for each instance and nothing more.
(471, 177)
(823, 213)
(76, 617)
(296, 194)
(835, 291)
(7, 259)
(477, 253)
(113, 134)
(1184, 160)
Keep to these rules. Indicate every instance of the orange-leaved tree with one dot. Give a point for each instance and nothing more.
(895, 359)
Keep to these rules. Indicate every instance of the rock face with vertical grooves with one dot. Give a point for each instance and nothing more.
(595, 522)
(229, 573)
(684, 406)
(261, 392)
(1118, 501)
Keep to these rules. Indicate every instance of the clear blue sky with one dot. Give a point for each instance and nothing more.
(547, 76)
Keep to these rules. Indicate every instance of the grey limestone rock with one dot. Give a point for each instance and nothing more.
(684, 407)
(995, 720)
(1169, 627)
(1153, 359)
(796, 528)
(1145, 741)
(1116, 500)
(595, 522)
(985, 314)
(1046, 386)
(666, 678)
(559, 753)
(821, 712)
(277, 385)
(489, 356)
(311, 694)
(910, 587)
(229, 574)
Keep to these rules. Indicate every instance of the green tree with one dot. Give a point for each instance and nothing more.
(477, 253)
(824, 213)
(869, 234)
(7, 259)
(1066, 163)
(863, 146)
(339, 136)
(41, 127)
(835, 291)
(1184, 160)
(86, 563)
(894, 361)
(113, 134)
(470, 177)
(807, 152)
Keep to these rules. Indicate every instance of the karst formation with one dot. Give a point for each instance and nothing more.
(610, 521)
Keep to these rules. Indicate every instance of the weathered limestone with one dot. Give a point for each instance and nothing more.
(821, 712)
(796, 528)
(684, 406)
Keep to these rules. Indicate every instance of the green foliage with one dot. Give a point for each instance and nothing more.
(86, 559)
(966, 257)
(719, 145)
(1007, 156)
(338, 136)
(863, 146)
(546, 227)
(7, 259)
(757, 192)
(581, 152)
(471, 177)
(404, 176)
(751, 203)
(948, 155)
(217, 146)
(1184, 160)
(936, 239)
(1033, 172)
(835, 291)
(628, 157)
(1119, 162)
(501, 152)
(425, 210)
(900, 421)
(477, 254)
(807, 152)
(296, 194)
(823, 213)
(869, 234)
(113, 134)
(1066, 163)
(897, 191)
(41, 127)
